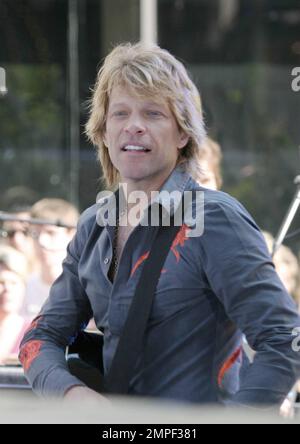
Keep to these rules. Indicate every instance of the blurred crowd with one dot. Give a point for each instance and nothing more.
(31, 259)
(31, 255)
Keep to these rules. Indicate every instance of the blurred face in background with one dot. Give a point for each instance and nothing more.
(17, 235)
(208, 179)
(51, 249)
(210, 161)
(287, 269)
(12, 291)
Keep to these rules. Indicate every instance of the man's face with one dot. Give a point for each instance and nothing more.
(12, 290)
(142, 136)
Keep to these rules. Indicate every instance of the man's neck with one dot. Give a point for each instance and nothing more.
(145, 186)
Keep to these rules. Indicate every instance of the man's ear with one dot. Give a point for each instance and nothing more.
(105, 139)
(183, 140)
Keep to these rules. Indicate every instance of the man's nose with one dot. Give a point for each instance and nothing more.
(135, 125)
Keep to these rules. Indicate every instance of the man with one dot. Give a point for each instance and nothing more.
(147, 122)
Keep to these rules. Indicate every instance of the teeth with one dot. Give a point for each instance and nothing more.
(135, 148)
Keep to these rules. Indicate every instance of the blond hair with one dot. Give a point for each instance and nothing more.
(56, 211)
(149, 70)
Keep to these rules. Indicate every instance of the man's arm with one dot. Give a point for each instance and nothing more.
(242, 275)
(66, 312)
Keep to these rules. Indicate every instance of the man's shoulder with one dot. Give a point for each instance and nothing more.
(213, 199)
(223, 200)
(89, 215)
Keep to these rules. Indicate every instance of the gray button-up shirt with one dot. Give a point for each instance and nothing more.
(213, 287)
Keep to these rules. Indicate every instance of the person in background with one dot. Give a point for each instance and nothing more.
(50, 244)
(17, 201)
(210, 159)
(287, 267)
(13, 274)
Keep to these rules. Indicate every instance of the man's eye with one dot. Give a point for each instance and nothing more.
(154, 113)
(120, 113)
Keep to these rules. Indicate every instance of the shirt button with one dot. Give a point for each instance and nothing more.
(106, 261)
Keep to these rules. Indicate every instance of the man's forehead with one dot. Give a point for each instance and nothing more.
(121, 95)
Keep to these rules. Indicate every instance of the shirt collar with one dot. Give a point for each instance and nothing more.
(175, 184)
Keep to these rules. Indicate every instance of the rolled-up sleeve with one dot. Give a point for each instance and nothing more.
(66, 312)
(242, 276)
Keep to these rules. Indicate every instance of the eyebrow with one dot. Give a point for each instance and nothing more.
(120, 104)
(114, 105)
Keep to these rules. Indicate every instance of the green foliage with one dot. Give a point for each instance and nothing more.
(32, 114)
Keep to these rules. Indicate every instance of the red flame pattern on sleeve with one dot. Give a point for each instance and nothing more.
(29, 353)
(228, 364)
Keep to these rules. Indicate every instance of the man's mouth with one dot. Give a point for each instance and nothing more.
(135, 149)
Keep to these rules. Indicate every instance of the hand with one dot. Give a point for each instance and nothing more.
(79, 393)
(287, 410)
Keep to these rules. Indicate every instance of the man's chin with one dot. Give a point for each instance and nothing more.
(141, 175)
(135, 177)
